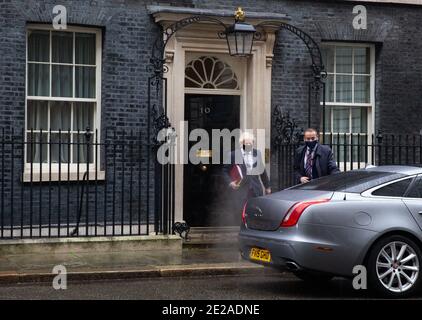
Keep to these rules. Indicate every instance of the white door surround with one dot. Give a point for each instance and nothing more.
(254, 75)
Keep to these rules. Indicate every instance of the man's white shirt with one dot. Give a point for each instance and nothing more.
(248, 159)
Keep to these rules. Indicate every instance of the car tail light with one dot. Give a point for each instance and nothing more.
(294, 213)
(244, 213)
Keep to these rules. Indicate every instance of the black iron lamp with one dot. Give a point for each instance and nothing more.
(240, 36)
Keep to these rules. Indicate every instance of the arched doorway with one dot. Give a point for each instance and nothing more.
(197, 33)
(213, 95)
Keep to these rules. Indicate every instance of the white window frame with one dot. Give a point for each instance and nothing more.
(68, 171)
(371, 105)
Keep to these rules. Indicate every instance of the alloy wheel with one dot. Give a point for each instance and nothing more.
(397, 266)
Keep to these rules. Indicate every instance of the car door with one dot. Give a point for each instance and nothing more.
(413, 200)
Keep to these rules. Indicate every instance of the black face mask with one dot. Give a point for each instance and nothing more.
(311, 144)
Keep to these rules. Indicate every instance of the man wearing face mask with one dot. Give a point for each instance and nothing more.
(313, 160)
(253, 178)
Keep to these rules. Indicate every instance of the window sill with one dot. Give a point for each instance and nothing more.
(63, 177)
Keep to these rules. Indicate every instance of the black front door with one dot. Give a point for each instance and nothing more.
(206, 200)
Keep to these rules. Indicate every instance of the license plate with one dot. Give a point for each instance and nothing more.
(260, 255)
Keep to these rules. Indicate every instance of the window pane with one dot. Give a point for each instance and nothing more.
(393, 190)
(200, 70)
(327, 119)
(362, 60)
(59, 148)
(62, 81)
(329, 89)
(37, 116)
(60, 115)
(83, 116)
(81, 149)
(34, 146)
(218, 69)
(190, 84)
(339, 147)
(225, 76)
(39, 46)
(209, 65)
(416, 191)
(359, 120)
(191, 79)
(328, 58)
(38, 79)
(341, 120)
(62, 43)
(85, 82)
(228, 84)
(362, 89)
(85, 48)
(359, 147)
(344, 59)
(343, 88)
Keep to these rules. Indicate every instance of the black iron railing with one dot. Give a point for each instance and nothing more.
(63, 184)
(353, 151)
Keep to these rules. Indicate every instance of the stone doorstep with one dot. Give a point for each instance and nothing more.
(218, 269)
(210, 244)
(91, 244)
(213, 235)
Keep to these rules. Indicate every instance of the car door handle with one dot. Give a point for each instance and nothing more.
(420, 212)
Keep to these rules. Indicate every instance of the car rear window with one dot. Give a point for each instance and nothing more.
(355, 181)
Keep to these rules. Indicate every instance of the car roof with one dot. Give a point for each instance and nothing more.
(406, 170)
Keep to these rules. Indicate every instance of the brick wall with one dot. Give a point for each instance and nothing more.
(128, 34)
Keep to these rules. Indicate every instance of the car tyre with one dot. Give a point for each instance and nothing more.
(313, 277)
(394, 267)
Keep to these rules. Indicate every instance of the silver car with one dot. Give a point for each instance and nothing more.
(325, 228)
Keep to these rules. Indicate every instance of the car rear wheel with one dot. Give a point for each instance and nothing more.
(312, 277)
(394, 266)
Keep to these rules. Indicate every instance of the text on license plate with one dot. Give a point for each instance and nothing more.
(260, 254)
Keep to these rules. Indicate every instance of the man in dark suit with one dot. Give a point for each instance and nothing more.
(255, 180)
(313, 160)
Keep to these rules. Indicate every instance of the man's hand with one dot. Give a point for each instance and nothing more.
(234, 185)
(304, 179)
(268, 191)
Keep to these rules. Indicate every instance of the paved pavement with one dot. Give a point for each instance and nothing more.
(220, 260)
(254, 287)
(194, 273)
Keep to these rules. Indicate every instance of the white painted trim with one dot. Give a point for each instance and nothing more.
(64, 176)
(69, 99)
(49, 27)
(348, 104)
(98, 80)
(371, 111)
(371, 105)
(213, 91)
